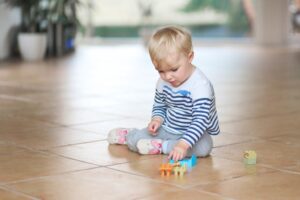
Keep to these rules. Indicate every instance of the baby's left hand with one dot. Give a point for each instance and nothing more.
(179, 151)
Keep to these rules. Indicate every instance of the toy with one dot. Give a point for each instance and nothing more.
(179, 170)
(165, 169)
(179, 167)
(189, 162)
(250, 157)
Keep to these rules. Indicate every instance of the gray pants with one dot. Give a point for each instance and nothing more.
(201, 149)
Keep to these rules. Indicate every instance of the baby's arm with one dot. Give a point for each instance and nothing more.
(195, 131)
(158, 112)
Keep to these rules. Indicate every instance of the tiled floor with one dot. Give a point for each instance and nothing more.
(54, 117)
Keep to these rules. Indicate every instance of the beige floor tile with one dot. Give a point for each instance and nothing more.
(224, 139)
(291, 138)
(90, 102)
(92, 184)
(187, 194)
(28, 164)
(55, 115)
(276, 155)
(71, 116)
(49, 137)
(208, 170)
(261, 127)
(10, 195)
(100, 153)
(104, 127)
(131, 109)
(224, 118)
(263, 107)
(275, 186)
(15, 124)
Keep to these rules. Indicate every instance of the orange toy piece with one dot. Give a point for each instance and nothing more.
(165, 169)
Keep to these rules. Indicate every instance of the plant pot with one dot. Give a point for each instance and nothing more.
(32, 45)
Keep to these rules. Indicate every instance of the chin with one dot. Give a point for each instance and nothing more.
(175, 84)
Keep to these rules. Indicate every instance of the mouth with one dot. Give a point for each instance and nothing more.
(173, 83)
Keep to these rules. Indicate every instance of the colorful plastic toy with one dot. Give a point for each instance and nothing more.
(250, 157)
(179, 170)
(165, 169)
(189, 162)
(179, 167)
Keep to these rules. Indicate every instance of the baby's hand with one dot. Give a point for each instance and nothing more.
(179, 151)
(154, 125)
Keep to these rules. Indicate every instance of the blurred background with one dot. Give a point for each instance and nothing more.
(65, 24)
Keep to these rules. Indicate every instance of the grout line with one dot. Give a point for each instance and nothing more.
(48, 176)
(12, 190)
(74, 159)
(212, 193)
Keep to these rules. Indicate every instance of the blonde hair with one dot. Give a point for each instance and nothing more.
(169, 39)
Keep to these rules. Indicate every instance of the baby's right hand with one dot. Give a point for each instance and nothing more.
(154, 125)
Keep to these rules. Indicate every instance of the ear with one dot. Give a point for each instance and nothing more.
(191, 56)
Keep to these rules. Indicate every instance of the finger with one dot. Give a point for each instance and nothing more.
(175, 157)
(179, 156)
(150, 128)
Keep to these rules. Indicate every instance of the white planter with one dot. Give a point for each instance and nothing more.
(32, 45)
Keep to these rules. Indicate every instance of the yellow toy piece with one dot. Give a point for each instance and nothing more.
(179, 170)
(250, 157)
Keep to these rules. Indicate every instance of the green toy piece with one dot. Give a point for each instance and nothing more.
(250, 157)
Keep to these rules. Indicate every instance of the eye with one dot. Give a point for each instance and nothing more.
(174, 70)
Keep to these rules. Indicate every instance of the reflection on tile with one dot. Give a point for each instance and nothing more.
(92, 184)
(260, 109)
(29, 164)
(224, 139)
(10, 195)
(184, 195)
(55, 115)
(290, 139)
(100, 153)
(276, 155)
(275, 186)
(71, 116)
(104, 127)
(260, 127)
(8, 124)
(207, 170)
(50, 137)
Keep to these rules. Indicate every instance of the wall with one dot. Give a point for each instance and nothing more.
(8, 18)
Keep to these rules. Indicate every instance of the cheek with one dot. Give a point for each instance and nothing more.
(162, 76)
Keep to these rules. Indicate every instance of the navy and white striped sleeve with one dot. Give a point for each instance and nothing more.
(200, 120)
(159, 106)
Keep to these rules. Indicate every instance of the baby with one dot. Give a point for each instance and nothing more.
(184, 114)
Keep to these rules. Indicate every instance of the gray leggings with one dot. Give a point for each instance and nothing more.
(201, 149)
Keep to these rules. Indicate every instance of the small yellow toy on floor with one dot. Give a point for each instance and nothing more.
(250, 157)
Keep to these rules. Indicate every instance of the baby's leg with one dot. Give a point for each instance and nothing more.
(137, 134)
(201, 149)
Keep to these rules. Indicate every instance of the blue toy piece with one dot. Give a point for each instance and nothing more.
(189, 162)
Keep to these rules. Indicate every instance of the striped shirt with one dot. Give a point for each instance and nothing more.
(189, 109)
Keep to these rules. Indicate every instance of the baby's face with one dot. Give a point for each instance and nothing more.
(176, 68)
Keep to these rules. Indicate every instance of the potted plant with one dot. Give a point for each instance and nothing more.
(32, 40)
(62, 26)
